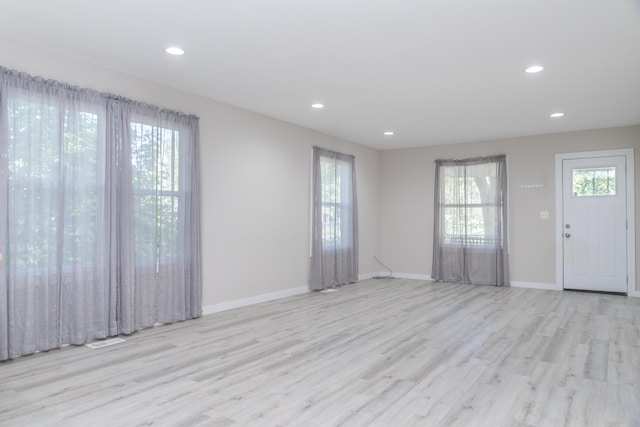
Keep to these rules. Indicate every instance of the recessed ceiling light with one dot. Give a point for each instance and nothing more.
(317, 106)
(534, 69)
(174, 51)
(556, 115)
(388, 133)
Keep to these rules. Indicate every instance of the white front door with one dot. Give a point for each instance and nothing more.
(594, 227)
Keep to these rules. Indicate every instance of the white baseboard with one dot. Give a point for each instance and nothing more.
(396, 275)
(230, 305)
(535, 285)
(412, 276)
(634, 293)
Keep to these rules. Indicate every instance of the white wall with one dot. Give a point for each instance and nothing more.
(255, 180)
(406, 197)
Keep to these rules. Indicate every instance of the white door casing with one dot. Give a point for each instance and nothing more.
(595, 246)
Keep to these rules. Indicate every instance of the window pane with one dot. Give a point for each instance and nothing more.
(80, 228)
(168, 226)
(477, 184)
(469, 185)
(145, 227)
(453, 185)
(330, 180)
(331, 224)
(594, 182)
(168, 160)
(143, 155)
(454, 230)
(471, 225)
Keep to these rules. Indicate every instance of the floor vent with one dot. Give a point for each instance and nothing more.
(326, 291)
(110, 341)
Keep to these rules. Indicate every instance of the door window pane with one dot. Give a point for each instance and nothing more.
(594, 182)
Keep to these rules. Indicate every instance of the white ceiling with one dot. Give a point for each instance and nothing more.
(434, 71)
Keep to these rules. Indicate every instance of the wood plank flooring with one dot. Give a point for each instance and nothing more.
(376, 353)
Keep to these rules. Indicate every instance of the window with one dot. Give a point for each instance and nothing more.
(100, 231)
(470, 207)
(336, 204)
(155, 171)
(594, 182)
(334, 259)
(470, 216)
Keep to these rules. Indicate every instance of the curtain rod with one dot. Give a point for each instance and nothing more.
(6, 72)
(470, 158)
(315, 147)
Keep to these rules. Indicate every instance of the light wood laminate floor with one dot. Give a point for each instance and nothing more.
(376, 353)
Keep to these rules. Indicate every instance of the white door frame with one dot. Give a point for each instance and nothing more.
(631, 221)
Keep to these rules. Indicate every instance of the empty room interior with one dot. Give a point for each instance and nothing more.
(336, 213)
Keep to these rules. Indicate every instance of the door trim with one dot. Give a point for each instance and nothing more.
(631, 221)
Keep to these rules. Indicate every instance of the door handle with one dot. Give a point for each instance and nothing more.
(567, 235)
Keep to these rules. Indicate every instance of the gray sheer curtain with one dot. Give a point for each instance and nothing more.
(470, 221)
(100, 229)
(334, 254)
(165, 252)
